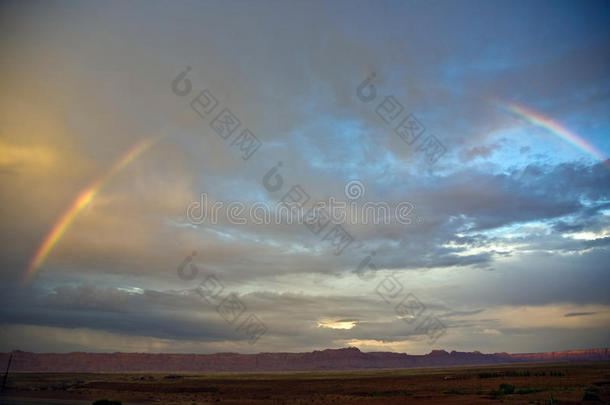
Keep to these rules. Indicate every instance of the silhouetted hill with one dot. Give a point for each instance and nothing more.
(329, 359)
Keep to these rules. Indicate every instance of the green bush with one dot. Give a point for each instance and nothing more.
(524, 391)
(504, 389)
(454, 392)
(590, 396)
(509, 373)
(496, 393)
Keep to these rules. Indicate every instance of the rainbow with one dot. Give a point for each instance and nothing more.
(555, 128)
(82, 200)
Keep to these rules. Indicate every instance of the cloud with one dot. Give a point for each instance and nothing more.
(87, 297)
(508, 218)
(579, 314)
(484, 152)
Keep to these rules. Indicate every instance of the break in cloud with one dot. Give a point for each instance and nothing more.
(509, 240)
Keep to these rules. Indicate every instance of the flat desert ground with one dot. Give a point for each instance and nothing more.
(533, 383)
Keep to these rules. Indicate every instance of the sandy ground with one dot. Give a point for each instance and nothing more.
(450, 385)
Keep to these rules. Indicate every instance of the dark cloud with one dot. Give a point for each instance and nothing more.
(484, 152)
(87, 297)
(579, 314)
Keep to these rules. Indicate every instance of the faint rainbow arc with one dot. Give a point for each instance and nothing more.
(555, 128)
(82, 200)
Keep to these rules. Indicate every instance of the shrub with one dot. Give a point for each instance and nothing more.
(590, 396)
(454, 392)
(508, 373)
(523, 391)
(504, 389)
(496, 393)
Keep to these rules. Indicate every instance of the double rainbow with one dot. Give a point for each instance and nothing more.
(555, 128)
(81, 201)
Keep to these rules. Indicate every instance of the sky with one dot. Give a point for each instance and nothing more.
(484, 127)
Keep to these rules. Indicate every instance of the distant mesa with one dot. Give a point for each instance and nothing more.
(350, 358)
